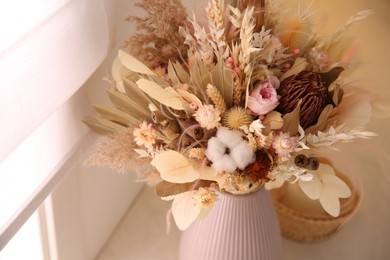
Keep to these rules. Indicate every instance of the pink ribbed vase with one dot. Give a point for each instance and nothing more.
(238, 227)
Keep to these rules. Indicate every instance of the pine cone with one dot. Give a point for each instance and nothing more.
(312, 89)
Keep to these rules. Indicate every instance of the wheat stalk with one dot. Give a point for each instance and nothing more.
(216, 97)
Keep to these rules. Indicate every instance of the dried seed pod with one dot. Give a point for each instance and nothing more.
(301, 160)
(313, 163)
(312, 89)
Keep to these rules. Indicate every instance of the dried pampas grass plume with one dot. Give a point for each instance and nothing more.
(237, 117)
(117, 152)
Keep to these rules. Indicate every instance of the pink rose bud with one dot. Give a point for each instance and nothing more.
(263, 97)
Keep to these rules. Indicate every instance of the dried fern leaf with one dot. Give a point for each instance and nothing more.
(115, 115)
(124, 103)
(102, 126)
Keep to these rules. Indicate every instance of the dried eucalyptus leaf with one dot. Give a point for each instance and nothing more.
(116, 115)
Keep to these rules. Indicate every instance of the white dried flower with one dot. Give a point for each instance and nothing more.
(284, 144)
(229, 151)
(145, 135)
(208, 116)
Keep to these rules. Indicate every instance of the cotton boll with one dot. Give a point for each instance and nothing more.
(230, 138)
(225, 163)
(243, 155)
(215, 150)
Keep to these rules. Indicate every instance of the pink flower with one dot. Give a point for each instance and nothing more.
(284, 144)
(264, 98)
(145, 135)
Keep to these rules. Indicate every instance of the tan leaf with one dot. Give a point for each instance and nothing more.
(159, 94)
(124, 103)
(291, 121)
(102, 126)
(222, 78)
(172, 74)
(165, 189)
(133, 64)
(322, 121)
(183, 76)
(273, 120)
(299, 65)
(174, 167)
(115, 115)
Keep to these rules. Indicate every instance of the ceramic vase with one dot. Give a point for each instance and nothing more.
(238, 227)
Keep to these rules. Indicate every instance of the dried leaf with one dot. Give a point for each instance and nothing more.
(222, 78)
(102, 126)
(166, 189)
(291, 121)
(299, 65)
(174, 167)
(159, 94)
(124, 103)
(184, 210)
(172, 75)
(326, 187)
(133, 64)
(181, 73)
(273, 120)
(116, 115)
(133, 92)
(322, 121)
(190, 98)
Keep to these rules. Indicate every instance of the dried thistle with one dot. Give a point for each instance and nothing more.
(158, 39)
(237, 117)
(217, 98)
(117, 152)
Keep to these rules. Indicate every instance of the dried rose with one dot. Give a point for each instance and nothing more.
(264, 98)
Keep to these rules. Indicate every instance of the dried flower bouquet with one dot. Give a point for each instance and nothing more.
(242, 101)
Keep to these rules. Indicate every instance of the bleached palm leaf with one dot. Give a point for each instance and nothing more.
(115, 115)
(102, 126)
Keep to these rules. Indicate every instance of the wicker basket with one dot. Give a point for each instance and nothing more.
(307, 227)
